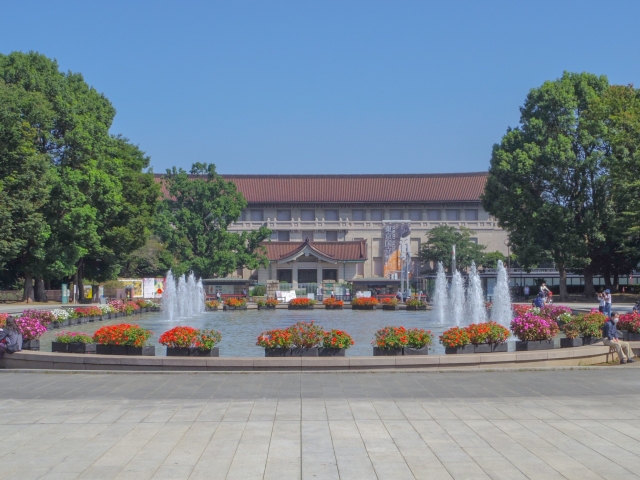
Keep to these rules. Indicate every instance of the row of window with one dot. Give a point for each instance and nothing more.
(375, 215)
(307, 275)
(330, 235)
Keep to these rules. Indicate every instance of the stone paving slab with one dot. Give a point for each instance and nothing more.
(501, 425)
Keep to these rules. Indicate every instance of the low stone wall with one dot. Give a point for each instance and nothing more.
(578, 356)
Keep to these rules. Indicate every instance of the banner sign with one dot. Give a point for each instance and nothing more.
(153, 287)
(396, 241)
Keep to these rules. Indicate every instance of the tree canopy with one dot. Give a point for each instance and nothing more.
(193, 220)
(439, 246)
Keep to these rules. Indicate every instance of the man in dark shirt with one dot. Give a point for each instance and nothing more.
(610, 334)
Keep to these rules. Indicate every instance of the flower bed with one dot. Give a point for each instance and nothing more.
(389, 303)
(415, 304)
(332, 303)
(301, 303)
(401, 341)
(534, 331)
(364, 303)
(304, 339)
(335, 343)
(123, 339)
(3, 319)
(630, 323)
(235, 303)
(73, 342)
(188, 341)
(476, 338)
(87, 314)
(269, 303)
(212, 305)
(31, 328)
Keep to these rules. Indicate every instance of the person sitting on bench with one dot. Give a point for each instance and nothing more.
(610, 334)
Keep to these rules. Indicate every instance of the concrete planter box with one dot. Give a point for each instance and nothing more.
(304, 352)
(482, 348)
(192, 352)
(91, 319)
(59, 347)
(211, 309)
(363, 307)
(389, 307)
(387, 352)
(421, 307)
(499, 347)
(570, 342)
(332, 352)
(300, 307)
(82, 348)
(529, 346)
(465, 349)
(103, 349)
(416, 351)
(590, 340)
(333, 307)
(633, 337)
(31, 344)
(72, 321)
(266, 307)
(64, 323)
(235, 308)
(277, 352)
(149, 351)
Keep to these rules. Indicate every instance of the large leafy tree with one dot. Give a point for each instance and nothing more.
(548, 179)
(193, 221)
(439, 247)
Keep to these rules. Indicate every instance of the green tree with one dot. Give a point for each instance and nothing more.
(547, 182)
(193, 220)
(439, 246)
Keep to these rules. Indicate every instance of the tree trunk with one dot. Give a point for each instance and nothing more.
(564, 295)
(616, 282)
(27, 295)
(80, 283)
(589, 288)
(607, 278)
(40, 294)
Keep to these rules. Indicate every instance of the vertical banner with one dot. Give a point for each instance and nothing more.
(153, 287)
(396, 239)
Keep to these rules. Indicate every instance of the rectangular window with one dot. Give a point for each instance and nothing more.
(307, 275)
(376, 215)
(360, 269)
(377, 267)
(332, 236)
(474, 240)
(415, 215)
(307, 234)
(285, 275)
(331, 215)
(395, 214)
(471, 214)
(433, 215)
(358, 215)
(257, 216)
(284, 215)
(307, 215)
(283, 236)
(330, 274)
(453, 215)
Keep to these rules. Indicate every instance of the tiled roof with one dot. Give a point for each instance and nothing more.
(447, 187)
(339, 251)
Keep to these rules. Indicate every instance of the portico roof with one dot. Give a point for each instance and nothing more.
(331, 252)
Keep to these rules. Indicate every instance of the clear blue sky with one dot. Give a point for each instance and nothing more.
(325, 86)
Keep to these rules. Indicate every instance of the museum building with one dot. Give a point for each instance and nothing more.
(329, 227)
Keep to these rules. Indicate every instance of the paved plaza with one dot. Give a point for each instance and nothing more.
(531, 424)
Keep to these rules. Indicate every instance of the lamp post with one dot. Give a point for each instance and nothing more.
(508, 244)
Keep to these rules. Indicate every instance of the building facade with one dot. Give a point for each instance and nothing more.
(352, 209)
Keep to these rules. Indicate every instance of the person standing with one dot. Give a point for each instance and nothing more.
(601, 302)
(607, 302)
(10, 338)
(610, 334)
(526, 293)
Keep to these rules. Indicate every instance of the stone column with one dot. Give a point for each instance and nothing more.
(294, 275)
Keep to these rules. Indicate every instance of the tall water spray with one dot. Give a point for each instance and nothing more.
(456, 298)
(501, 310)
(440, 294)
(185, 299)
(169, 298)
(475, 298)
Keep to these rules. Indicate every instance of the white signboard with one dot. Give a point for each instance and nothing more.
(285, 297)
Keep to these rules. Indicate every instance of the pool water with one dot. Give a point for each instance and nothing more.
(240, 329)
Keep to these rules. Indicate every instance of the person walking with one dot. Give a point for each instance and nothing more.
(610, 334)
(526, 293)
(10, 338)
(607, 302)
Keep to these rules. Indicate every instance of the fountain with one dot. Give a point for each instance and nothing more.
(440, 294)
(185, 300)
(456, 298)
(501, 310)
(476, 310)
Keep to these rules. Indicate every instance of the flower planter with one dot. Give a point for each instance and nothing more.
(235, 308)
(277, 352)
(72, 321)
(300, 307)
(82, 348)
(533, 345)
(266, 307)
(91, 319)
(333, 307)
(31, 344)
(103, 349)
(482, 348)
(416, 351)
(363, 307)
(304, 352)
(590, 340)
(570, 342)
(118, 350)
(63, 323)
(389, 307)
(547, 344)
(192, 352)
(332, 352)
(633, 337)
(421, 307)
(499, 347)
(148, 351)
(59, 347)
(465, 349)
(214, 309)
(388, 352)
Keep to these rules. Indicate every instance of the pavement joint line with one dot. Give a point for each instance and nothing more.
(309, 372)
